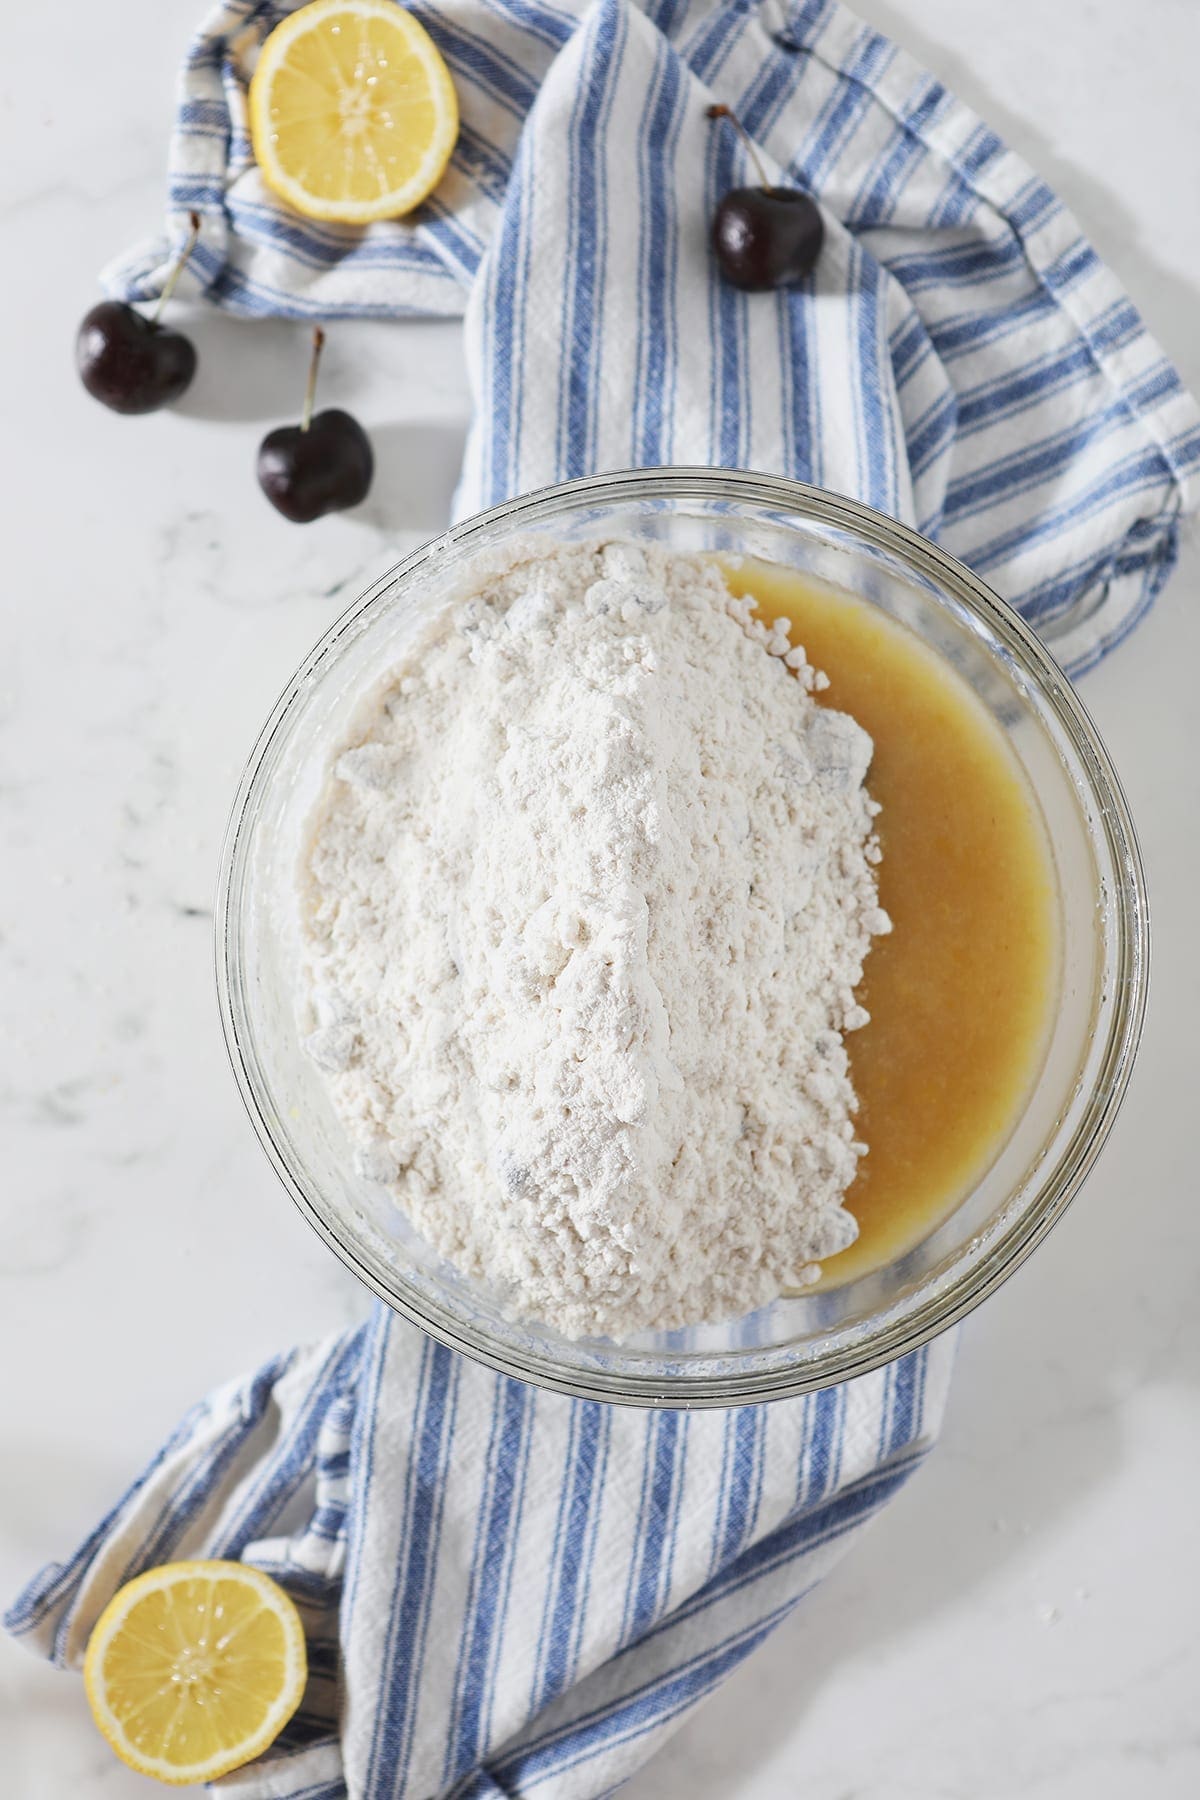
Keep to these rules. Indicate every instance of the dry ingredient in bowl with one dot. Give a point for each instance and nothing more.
(586, 901)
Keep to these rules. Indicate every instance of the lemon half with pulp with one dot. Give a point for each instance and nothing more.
(194, 1669)
(353, 114)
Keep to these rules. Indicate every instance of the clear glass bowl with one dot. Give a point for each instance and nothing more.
(798, 1343)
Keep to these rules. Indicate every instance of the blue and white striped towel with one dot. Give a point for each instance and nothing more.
(507, 1592)
(962, 358)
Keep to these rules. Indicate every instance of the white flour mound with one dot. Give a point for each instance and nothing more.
(586, 901)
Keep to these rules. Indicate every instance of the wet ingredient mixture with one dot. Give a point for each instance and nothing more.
(963, 993)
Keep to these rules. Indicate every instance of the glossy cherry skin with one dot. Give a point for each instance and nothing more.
(324, 469)
(128, 362)
(767, 237)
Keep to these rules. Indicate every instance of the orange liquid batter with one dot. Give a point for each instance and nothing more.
(963, 991)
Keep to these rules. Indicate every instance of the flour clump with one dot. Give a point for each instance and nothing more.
(585, 903)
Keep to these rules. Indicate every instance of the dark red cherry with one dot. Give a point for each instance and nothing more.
(765, 237)
(323, 464)
(306, 471)
(128, 360)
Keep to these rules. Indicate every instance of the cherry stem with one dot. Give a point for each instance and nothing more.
(310, 392)
(727, 112)
(180, 264)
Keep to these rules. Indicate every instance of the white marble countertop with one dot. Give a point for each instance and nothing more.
(1023, 1621)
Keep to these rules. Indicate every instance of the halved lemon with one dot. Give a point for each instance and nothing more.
(353, 113)
(194, 1669)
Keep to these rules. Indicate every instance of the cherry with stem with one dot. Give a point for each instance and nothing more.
(767, 236)
(130, 361)
(322, 464)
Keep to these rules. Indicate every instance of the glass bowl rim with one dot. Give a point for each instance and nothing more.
(960, 1293)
